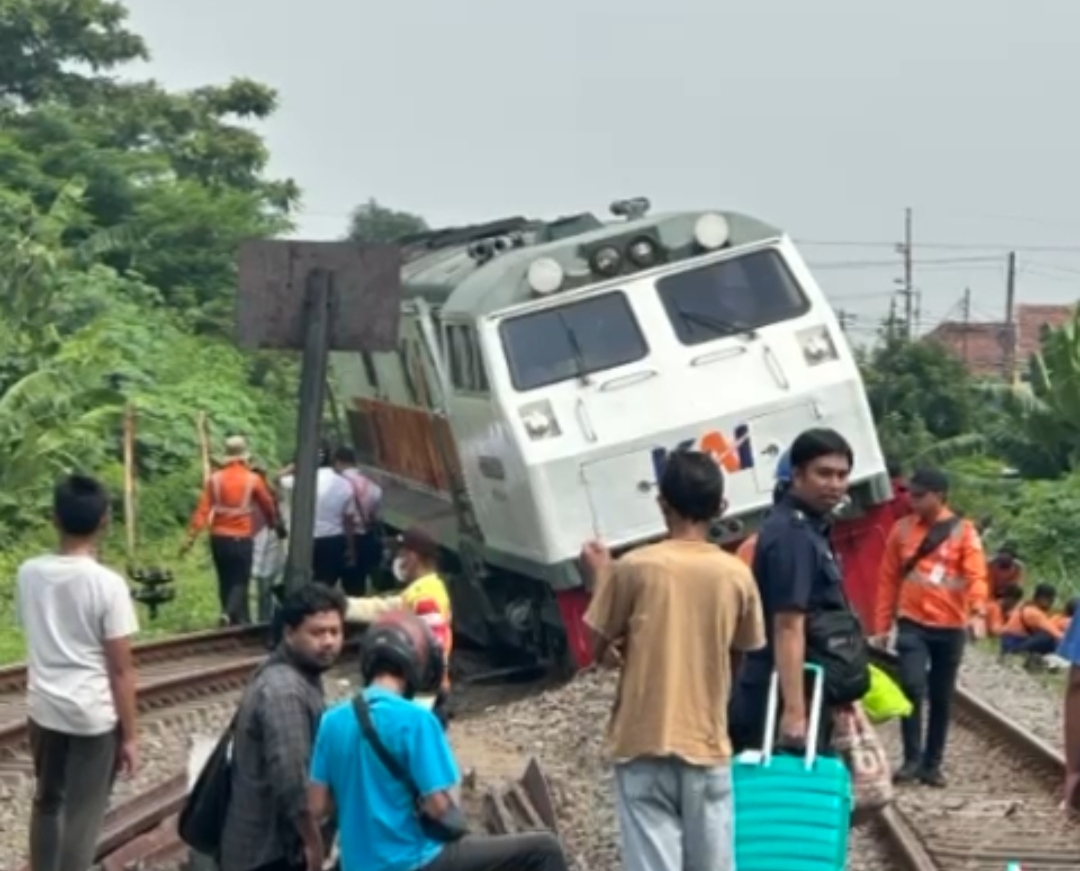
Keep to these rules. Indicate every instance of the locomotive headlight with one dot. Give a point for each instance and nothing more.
(817, 345)
(642, 252)
(539, 420)
(545, 276)
(712, 231)
(606, 261)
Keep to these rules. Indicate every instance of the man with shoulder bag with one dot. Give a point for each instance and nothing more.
(807, 616)
(933, 588)
(383, 764)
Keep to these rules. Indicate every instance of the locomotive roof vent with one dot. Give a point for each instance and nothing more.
(484, 250)
(631, 209)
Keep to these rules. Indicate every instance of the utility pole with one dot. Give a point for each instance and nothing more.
(845, 318)
(908, 291)
(966, 309)
(1009, 357)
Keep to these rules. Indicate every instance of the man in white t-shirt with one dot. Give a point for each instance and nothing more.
(79, 619)
(336, 522)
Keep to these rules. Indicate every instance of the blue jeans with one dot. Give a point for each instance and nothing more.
(674, 816)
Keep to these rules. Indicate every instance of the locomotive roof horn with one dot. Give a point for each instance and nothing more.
(631, 209)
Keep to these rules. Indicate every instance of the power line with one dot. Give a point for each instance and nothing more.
(940, 246)
(929, 262)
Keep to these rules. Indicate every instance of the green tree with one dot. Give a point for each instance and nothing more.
(40, 41)
(372, 222)
(177, 178)
(919, 394)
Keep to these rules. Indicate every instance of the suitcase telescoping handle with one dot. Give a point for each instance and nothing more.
(813, 727)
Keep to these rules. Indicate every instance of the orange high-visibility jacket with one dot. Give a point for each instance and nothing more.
(228, 502)
(1027, 619)
(943, 589)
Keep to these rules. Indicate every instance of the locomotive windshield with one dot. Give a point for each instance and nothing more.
(730, 297)
(572, 341)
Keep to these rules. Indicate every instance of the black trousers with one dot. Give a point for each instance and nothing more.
(369, 551)
(74, 777)
(528, 851)
(232, 561)
(929, 664)
(328, 560)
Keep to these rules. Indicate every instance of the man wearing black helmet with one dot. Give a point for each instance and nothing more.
(384, 764)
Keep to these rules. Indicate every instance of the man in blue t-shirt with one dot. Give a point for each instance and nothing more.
(377, 817)
(1070, 651)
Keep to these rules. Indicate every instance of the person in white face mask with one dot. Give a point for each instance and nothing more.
(416, 568)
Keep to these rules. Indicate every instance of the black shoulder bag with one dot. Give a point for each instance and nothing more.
(451, 826)
(935, 537)
(835, 640)
(202, 819)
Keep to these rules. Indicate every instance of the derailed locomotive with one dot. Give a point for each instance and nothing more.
(545, 369)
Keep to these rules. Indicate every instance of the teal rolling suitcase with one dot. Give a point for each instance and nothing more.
(792, 813)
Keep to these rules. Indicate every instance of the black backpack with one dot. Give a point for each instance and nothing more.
(202, 820)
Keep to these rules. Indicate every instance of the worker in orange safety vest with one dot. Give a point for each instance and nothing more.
(932, 584)
(416, 567)
(229, 499)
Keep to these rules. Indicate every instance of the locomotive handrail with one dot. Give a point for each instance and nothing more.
(628, 380)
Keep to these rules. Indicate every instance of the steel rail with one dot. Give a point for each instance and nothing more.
(896, 827)
(142, 830)
(165, 692)
(13, 677)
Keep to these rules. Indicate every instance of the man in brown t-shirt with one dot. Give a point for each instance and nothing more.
(676, 616)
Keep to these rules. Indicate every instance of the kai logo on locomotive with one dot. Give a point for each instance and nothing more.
(732, 455)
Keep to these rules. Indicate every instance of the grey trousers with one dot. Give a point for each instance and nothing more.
(674, 816)
(74, 776)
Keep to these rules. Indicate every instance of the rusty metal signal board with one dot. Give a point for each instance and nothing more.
(367, 284)
(316, 296)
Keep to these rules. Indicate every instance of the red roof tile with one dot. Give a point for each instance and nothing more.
(982, 346)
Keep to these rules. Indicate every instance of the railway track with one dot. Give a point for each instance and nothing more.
(1002, 804)
(170, 672)
(209, 670)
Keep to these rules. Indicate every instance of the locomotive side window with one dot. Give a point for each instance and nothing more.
(466, 366)
(730, 297)
(573, 340)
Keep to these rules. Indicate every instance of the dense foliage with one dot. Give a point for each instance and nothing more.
(371, 222)
(121, 206)
(1014, 451)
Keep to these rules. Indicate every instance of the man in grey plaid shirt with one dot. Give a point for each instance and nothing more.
(268, 826)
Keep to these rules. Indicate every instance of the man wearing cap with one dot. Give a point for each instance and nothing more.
(416, 567)
(229, 499)
(932, 584)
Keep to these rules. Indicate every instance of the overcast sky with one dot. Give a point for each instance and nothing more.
(826, 117)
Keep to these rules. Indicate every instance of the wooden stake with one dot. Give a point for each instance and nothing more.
(202, 426)
(129, 479)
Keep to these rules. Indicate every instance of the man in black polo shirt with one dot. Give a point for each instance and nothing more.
(796, 573)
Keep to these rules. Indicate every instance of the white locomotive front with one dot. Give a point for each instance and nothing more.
(568, 358)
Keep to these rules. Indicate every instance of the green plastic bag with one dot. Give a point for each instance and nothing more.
(884, 700)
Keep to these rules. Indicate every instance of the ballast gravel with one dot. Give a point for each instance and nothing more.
(564, 729)
(1033, 701)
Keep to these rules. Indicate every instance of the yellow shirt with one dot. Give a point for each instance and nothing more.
(427, 597)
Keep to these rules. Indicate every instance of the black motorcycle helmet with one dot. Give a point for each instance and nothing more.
(401, 643)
